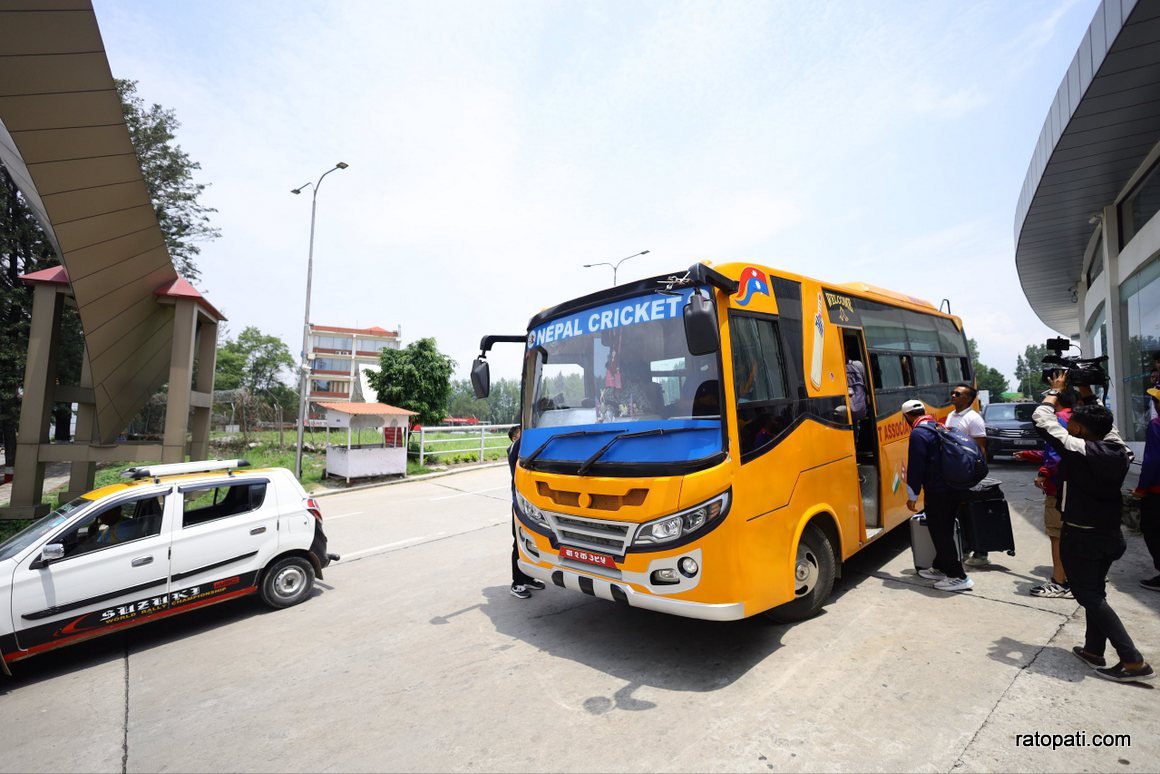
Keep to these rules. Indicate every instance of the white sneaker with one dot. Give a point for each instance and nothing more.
(977, 560)
(955, 584)
(931, 573)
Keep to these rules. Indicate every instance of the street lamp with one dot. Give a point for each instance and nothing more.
(616, 265)
(304, 376)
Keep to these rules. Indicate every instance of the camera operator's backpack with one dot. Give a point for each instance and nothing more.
(963, 464)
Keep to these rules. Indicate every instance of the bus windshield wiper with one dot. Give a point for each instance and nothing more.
(584, 466)
(577, 434)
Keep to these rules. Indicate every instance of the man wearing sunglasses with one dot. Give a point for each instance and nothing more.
(970, 422)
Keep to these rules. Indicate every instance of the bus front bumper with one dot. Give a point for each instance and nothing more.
(623, 593)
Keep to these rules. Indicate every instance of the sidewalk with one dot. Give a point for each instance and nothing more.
(55, 474)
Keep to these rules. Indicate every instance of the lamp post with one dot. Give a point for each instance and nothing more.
(616, 265)
(304, 376)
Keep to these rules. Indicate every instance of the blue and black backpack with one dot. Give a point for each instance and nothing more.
(961, 461)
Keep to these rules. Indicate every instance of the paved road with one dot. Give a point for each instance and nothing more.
(412, 656)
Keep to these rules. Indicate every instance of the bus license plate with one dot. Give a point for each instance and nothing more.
(588, 557)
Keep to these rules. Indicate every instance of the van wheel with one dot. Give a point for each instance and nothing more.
(814, 570)
(287, 582)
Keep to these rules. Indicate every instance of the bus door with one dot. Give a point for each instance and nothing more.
(864, 426)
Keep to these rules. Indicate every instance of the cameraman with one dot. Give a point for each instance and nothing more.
(1093, 464)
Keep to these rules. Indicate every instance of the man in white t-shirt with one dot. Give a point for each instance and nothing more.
(969, 421)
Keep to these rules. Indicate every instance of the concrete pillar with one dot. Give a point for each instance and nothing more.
(1121, 400)
(36, 404)
(180, 381)
(82, 473)
(206, 363)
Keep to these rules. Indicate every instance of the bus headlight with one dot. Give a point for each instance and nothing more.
(680, 524)
(527, 509)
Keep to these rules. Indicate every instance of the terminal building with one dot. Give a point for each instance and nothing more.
(1087, 239)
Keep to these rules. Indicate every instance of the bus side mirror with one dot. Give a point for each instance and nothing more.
(701, 333)
(480, 378)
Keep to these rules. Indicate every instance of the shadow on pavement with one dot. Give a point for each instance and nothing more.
(640, 647)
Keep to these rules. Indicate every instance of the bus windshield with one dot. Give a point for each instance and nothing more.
(622, 367)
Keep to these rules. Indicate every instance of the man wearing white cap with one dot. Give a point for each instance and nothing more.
(924, 474)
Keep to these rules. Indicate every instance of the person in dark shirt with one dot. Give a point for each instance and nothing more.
(1093, 461)
(924, 474)
(522, 584)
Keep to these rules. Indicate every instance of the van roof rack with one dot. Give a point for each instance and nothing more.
(177, 468)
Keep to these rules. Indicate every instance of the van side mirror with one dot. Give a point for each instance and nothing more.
(701, 332)
(48, 554)
(480, 378)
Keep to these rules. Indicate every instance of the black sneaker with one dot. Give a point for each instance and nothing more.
(1123, 674)
(1095, 662)
(534, 585)
(1151, 583)
(519, 591)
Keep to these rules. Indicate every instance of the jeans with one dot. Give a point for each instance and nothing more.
(1087, 556)
(519, 577)
(1150, 526)
(941, 508)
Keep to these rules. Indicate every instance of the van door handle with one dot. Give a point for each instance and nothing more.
(141, 561)
(257, 530)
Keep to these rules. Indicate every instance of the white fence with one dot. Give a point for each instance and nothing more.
(459, 439)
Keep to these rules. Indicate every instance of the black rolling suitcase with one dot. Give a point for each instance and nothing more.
(986, 519)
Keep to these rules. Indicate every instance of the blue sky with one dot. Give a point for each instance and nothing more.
(496, 147)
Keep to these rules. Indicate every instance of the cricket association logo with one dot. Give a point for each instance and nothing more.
(752, 281)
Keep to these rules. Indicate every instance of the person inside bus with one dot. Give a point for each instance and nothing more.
(924, 474)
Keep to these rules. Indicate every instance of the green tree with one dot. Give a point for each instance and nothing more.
(417, 378)
(462, 402)
(24, 248)
(252, 365)
(253, 361)
(168, 173)
(1029, 368)
(986, 378)
(503, 402)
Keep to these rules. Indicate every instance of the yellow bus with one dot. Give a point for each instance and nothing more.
(688, 442)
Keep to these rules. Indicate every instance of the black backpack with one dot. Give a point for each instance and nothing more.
(961, 461)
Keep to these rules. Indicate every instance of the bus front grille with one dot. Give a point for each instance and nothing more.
(596, 534)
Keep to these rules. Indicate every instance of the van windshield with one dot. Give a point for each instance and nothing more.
(1010, 412)
(38, 529)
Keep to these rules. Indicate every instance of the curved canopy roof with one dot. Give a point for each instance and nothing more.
(1104, 121)
(64, 141)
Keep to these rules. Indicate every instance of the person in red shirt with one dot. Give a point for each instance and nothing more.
(1048, 481)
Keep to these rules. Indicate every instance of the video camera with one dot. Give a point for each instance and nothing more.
(1080, 370)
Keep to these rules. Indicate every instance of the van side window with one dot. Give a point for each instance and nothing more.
(202, 504)
(116, 523)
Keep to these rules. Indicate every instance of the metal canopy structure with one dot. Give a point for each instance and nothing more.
(1102, 124)
(63, 139)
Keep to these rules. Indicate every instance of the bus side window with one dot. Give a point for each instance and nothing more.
(763, 406)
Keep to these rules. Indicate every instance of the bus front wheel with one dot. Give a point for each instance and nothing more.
(813, 578)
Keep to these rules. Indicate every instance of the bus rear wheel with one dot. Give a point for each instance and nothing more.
(814, 571)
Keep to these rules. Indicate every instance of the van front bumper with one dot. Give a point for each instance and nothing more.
(624, 593)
